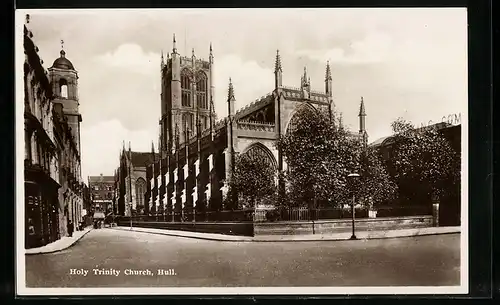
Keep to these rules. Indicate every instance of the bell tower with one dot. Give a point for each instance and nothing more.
(187, 88)
(64, 80)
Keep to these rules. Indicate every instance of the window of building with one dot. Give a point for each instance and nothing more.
(201, 90)
(63, 87)
(186, 88)
(140, 189)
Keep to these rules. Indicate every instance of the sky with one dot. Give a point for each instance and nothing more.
(409, 63)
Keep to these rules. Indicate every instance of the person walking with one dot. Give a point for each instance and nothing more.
(70, 228)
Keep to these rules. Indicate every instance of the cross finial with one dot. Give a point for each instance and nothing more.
(62, 49)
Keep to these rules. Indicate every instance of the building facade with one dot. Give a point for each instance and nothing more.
(131, 181)
(196, 153)
(53, 184)
(87, 211)
(101, 193)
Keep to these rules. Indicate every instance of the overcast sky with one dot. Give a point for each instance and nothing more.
(409, 63)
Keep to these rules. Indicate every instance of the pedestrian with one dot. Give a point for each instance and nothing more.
(70, 228)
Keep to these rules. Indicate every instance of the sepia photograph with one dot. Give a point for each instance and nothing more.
(241, 151)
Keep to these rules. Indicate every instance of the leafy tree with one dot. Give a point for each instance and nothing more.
(253, 179)
(422, 162)
(376, 185)
(320, 155)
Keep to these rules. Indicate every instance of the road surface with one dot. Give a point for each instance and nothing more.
(123, 257)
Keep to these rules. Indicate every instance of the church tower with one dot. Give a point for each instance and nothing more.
(187, 89)
(64, 80)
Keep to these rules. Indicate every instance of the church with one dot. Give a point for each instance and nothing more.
(196, 151)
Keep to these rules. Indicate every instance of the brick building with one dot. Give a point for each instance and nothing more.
(101, 193)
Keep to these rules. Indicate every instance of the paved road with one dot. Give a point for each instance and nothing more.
(421, 261)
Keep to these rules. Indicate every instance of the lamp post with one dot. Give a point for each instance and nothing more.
(353, 177)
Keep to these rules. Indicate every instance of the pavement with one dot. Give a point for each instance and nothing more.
(295, 238)
(107, 258)
(60, 244)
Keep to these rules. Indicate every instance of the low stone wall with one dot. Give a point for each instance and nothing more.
(342, 225)
(227, 228)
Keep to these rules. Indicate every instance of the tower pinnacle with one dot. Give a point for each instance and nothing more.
(362, 108)
(305, 81)
(211, 56)
(230, 93)
(174, 47)
(328, 72)
(277, 64)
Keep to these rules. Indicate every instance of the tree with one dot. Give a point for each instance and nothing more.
(376, 184)
(253, 179)
(320, 155)
(422, 162)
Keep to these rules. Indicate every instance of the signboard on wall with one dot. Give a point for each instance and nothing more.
(449, 120)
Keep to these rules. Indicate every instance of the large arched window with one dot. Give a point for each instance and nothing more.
(294, 120)
(140, 189)
(63, 88)
(186, 87)
(201, 90)
(259, 151)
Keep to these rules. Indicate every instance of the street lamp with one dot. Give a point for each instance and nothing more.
(353, 177)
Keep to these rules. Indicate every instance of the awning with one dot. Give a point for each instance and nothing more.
(98, 215)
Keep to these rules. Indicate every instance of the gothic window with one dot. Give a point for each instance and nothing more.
(27, 140)
(39, 95)
(205, 122)
(186, 88)
(140, 189)
(259, 152)
(184, 120)
(294, 120)
(201, 90)
(63, 87)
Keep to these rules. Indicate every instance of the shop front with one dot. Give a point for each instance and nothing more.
(41, 212)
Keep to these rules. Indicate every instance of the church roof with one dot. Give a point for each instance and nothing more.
(379, 141)
(62, 62)
(142, 159)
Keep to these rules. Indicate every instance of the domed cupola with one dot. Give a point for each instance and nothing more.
(62, 62)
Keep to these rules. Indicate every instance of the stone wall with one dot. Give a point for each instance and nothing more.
(342, 225)
(226, 228)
